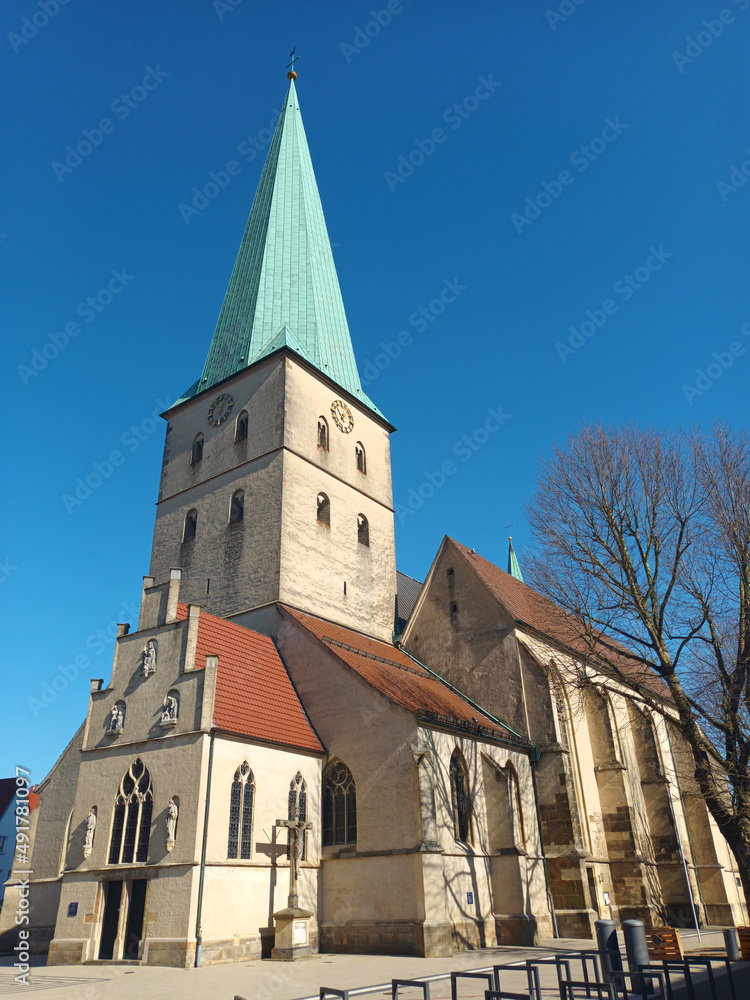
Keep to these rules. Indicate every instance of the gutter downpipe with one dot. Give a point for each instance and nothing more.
(534, 758)
(198, 928)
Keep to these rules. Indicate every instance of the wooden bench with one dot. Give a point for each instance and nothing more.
(743, 937)
(664, 944)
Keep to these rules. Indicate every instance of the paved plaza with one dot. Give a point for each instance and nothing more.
(364, 975)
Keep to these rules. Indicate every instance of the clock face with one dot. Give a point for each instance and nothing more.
(220, 409)
(342, 416)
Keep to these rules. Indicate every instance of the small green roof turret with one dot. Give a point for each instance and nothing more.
(284, 290)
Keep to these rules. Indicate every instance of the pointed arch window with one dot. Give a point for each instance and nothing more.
(237, 507)
(363, 530)
(339, 806)
(324, 509)
(131, 827)
(323, 433)
(191, 525)
(196, 454)
(460, 798)
(359, 454)
(298, 800)
(240, 430)
(241, 814)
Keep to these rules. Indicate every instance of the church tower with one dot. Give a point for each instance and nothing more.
(276, 481)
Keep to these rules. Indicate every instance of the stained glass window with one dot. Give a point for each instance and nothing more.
(241, 814)
(460, 798)
(339, 806)
(131, 826)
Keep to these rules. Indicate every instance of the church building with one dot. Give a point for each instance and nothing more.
(300, 749)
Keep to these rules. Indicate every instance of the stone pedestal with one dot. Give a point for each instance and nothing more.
(292, 934)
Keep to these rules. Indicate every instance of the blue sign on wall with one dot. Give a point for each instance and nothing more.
(469, 897)
(72, 909)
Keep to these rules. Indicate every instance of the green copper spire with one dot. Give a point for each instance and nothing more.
(284, 290)
(514, 567)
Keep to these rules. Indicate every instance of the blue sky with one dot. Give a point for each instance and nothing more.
(586, 169)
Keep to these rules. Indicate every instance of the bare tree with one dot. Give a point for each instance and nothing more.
(643, 538)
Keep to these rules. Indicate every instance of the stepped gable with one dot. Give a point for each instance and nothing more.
(254, 694)
(405, 682)
(528, 607)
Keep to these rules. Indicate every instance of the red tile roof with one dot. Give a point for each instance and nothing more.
(254, 693)
(403, 681)
(529, 607)
(7, 794)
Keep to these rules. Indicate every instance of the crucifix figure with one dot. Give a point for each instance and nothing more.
(296, 828)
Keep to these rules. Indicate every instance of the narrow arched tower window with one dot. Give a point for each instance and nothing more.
(241, 814)
(339, 806)
(240, 431)
(359, 454)
(237, 507)
(131, 827)
(197, 453)
(323, 433)
(191, 524)
(363, 530)
(460, 798)
(324, 509)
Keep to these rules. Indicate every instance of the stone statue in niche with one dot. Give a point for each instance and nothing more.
(170, 712)
(90, 831)
(149, 659)
(172, 814)
(116, 719)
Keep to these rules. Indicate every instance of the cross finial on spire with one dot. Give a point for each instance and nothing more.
(291, 75)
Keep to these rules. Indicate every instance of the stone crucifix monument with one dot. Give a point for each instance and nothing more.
(292, 934)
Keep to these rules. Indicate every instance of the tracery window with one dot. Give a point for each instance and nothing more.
(240, 432)
(323, 433)
(298, 797)
(339, 806)
(241, 814)
(196, 454)
(359, 453)
(324, 509)
(460, 798)
(131, 828)
(363, 530)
